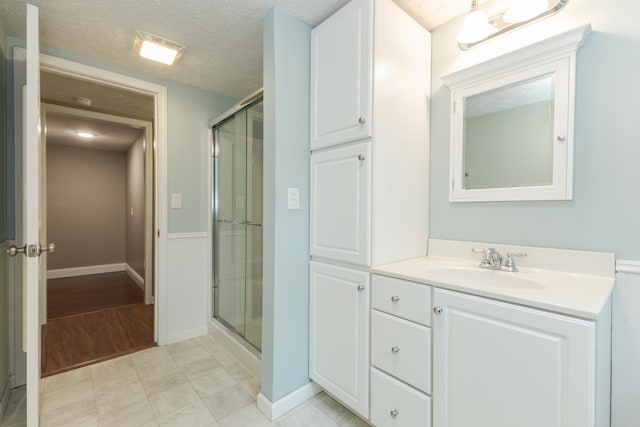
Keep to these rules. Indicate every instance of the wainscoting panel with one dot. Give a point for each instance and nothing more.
(625, 375)
(187, 286)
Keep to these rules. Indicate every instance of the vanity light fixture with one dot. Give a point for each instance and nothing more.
(478, 27)
(157, 48)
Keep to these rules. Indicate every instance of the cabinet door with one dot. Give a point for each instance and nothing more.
(339, 334)
(340, 204)
(341, 55)
(502, 365)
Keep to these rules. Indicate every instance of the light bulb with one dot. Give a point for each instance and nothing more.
(476, 27)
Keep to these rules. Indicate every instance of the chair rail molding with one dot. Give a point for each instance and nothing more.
(626, 266)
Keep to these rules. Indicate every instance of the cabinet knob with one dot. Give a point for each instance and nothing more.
(394, 413)
(361, 120)
(395, 298)
(395, 350)
(561, 138)
(437, 310)
(361, 157)
(360, 288)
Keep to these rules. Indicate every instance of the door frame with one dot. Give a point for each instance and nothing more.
(160, 136)
(147, 128)
(159, 93)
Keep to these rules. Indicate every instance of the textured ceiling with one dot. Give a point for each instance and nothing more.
(62, 129)
(223, 38)
(63, 90)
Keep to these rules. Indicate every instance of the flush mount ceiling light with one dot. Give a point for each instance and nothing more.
(85, 134)
(157, 48)
(478, 27)
(85, 102)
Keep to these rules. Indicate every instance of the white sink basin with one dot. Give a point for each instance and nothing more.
(483, 277)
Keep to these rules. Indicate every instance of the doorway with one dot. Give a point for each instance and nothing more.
(112, 80)
(99, 211)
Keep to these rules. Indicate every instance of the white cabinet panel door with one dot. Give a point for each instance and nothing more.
(341, 58)
(503, 365)
(340, 203)
(339, 334)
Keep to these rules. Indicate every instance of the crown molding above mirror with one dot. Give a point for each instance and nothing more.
(512, 120)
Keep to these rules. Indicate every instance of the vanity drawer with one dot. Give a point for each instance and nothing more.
(402, 349)
(409, 300)
(396, 404)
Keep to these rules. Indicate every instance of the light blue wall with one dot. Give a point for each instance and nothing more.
(603, 216)
(189, 112)
(285, 336)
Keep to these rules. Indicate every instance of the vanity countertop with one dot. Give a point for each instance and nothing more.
(576, 294)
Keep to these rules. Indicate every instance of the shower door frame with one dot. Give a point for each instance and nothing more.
(245, 104)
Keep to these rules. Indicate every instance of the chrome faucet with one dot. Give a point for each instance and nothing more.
(492, 259)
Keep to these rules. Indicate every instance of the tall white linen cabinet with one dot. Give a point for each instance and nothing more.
(370, 88)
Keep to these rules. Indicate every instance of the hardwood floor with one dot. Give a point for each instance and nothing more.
(91, 319)
(83, 294)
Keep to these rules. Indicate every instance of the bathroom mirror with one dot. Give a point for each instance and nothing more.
(512, 124)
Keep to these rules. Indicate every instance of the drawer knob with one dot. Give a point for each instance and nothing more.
(360, 288)
(394, 413)
(395, 350)
(361, 120)
(395, 298)
(437, 310)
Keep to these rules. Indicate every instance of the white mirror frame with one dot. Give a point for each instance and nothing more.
(555, 55)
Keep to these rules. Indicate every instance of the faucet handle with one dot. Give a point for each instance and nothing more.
(509, 265)
(511, 254)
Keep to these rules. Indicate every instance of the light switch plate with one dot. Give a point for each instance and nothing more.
(176, 200)
(293, 198)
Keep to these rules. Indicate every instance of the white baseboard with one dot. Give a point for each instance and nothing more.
(237, 350)
(83, 271)
(275, 410)
(187, 334)
(135, 276)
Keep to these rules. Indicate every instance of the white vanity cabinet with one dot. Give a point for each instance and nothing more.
(339, 333)
(503, 365)
(400, 353)
(369, 178)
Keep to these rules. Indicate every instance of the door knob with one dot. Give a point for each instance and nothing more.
(13, 250)
(51, 248)
(31, 250)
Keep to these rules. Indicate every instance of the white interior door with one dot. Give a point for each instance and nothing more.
(31, 217)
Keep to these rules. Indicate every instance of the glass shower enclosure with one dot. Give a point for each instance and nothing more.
(237, 221)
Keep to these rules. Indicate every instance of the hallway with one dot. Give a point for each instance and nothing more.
(93, 318)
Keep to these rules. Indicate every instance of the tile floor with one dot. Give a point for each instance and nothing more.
(191, 383)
